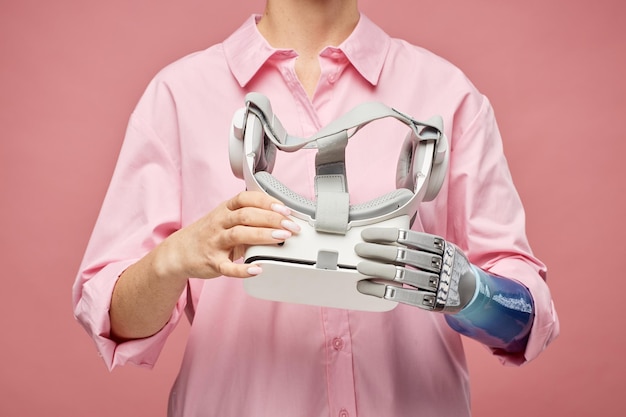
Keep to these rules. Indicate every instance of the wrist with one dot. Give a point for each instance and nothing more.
(165, 265)
(471, 286)
(458, 280)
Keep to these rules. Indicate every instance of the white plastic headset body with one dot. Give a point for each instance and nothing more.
(318, 265)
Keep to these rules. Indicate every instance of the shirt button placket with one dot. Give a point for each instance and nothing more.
(339, 370)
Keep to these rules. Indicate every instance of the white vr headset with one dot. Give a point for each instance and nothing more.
(318, 265)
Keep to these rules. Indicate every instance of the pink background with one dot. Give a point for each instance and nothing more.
(72, 70)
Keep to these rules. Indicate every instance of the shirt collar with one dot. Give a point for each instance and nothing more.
(366, 48)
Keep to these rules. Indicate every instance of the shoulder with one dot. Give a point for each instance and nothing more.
(189, 81)
(423, 62)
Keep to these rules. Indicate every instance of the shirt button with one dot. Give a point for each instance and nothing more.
(344, 413)
(338, 344)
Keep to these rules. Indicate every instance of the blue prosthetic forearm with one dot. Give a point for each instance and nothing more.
(499, 316)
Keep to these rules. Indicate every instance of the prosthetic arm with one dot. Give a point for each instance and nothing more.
(431, 273)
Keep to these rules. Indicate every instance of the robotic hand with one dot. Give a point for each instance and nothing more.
(428, 272)
(415, 268)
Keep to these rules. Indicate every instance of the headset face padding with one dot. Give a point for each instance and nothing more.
(437, 174)
(267, 156)
(410, 161)
(405, 168)
(369, 209)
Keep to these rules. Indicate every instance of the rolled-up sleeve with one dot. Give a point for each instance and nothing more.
(91, 309)
(140, 209)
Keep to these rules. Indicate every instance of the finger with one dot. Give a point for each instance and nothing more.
(256, 199)
(237, 270)
(380, 234)
(259, 218)
(415, 278)
(399, 255)
(422, 241)
(368, 287)
(418, 240)
(252, 216)
(377, 269)
(245, 235)
(403, 295)
(375, 251)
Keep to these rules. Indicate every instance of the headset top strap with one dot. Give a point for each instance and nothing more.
(350, 122)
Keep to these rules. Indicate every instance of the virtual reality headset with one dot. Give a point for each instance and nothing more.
(318, 265)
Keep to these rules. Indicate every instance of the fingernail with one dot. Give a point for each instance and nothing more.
(289, 225)
(279, 208)
(281, 234)
(254, 270)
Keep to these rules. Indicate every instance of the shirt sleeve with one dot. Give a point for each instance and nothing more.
(140, 209)
(487, 221)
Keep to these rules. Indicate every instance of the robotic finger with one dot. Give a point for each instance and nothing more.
(400, 255)
(414, 278)
(416, 240)
(422, 285)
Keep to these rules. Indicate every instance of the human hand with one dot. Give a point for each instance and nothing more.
(415, 268)
(209, 247)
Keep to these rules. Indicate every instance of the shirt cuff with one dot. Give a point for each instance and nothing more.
(92, 312)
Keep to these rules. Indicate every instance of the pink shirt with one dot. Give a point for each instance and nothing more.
(249, 357)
